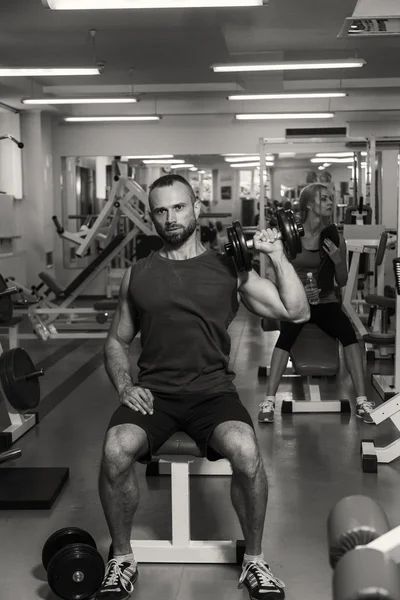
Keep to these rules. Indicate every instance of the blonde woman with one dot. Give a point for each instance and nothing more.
(327, 261)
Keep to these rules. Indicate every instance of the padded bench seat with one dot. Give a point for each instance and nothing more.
(382, 301)
(315, 354)
(104, 305)
(179, 444)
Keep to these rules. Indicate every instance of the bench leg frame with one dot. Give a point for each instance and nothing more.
(181, 549)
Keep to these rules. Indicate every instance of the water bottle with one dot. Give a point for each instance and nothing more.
(39, 327)
(313, 284)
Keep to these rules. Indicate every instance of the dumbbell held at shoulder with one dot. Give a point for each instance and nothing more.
(268, 241)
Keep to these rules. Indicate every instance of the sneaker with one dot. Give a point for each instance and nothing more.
(118, 582)
(363, 411)
(260, 582)
(266, 414)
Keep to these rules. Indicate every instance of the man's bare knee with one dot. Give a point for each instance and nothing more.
(123, 445)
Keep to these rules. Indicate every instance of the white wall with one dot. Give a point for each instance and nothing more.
(196, 134)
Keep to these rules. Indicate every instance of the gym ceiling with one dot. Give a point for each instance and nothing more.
(163, 57)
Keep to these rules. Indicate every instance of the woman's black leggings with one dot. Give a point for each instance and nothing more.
(329, 317)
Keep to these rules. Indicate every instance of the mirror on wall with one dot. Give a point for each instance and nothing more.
(227, 185)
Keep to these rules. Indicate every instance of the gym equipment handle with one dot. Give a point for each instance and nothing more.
(9, 291)
(28, 376)
(8, 136)
(59, 227)
(9, 455)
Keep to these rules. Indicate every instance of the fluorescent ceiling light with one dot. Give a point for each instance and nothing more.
(321, 168)
(78, 100)
(97, 119)
(150, 157)
(184, 166)
(251, 158)
(337, 154)
(193, 169)
(202, 172)
(239, 154)
(133, 4)
(295, 96)
(273, 116)
(331, 159)
(251, 164)
(347, 63)
(286, 154)
(43, 72)
(166, 161)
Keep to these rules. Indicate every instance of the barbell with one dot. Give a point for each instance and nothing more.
(362, 572)
(290, 228)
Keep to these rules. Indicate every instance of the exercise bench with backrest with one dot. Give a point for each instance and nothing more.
(180, 451)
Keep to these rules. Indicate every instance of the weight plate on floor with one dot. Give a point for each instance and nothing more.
(61, 539)
(241, 240)
(6, 305)
(23, 394)
(76, 572)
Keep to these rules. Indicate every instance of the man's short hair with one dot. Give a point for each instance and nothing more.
(167, 181)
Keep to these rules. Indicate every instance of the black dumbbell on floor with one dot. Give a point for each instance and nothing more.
(75, 569)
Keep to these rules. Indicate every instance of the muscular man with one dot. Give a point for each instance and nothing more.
(182, 300)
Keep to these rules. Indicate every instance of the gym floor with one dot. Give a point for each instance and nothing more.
(312, 461)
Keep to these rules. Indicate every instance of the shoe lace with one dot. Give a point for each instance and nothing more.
(367, 406)
(262, 571)
(115, 576)
(267, 405)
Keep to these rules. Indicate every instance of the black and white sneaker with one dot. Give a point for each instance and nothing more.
(260, 582)
(119, 580)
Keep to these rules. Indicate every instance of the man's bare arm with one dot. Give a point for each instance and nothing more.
(286, 301)
(124, 327)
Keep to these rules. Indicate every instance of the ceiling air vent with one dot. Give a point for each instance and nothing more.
(373, 18)
(318, 133)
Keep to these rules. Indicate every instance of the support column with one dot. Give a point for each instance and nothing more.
(11, 156)
(37, 207)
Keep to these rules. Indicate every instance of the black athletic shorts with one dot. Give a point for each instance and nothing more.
(195, 414)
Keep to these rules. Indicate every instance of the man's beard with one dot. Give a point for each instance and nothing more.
(179, 236)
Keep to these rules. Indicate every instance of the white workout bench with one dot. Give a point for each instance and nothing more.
(314, 357)
(180, 451)
(371, 455)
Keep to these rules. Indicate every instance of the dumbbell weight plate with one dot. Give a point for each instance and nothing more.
(291, 232)
(233, 248)
(23, 394)
(76, 572)
(61, 539)
(246, 258)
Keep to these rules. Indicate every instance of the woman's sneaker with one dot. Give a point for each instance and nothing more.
(267, 411)
(119, 579)
(260, 582)
(364, 410)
